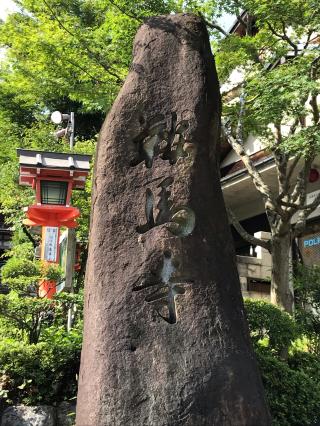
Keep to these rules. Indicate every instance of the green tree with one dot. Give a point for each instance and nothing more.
(79, 50)
(72, 56)
(76, 54)
(278, 99)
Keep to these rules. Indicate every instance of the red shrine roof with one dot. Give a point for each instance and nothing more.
(44, 164)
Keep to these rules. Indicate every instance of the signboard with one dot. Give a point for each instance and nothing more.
(309, 246)
(51, 243)
(67, 249)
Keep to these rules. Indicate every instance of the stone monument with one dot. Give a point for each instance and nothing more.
(165, 339)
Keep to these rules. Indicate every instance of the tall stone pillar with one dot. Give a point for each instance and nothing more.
(165, 339)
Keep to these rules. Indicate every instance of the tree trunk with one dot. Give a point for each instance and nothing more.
(281, 286)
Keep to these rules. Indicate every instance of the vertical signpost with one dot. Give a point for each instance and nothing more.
(49, 254)
(50, 238)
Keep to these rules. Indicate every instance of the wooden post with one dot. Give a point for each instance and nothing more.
(70, 260)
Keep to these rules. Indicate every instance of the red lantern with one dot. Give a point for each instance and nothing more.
(53, 176)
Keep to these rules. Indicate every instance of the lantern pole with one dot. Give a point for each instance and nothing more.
(70, 262)
(72, 121)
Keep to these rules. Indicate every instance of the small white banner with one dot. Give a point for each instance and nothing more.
(51, 244)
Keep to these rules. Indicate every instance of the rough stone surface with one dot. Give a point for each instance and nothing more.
(165, 340)
(21, 415)
(66, 414)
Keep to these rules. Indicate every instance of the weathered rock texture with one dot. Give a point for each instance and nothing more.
(165, 338)
(42, 415)
(21, 415)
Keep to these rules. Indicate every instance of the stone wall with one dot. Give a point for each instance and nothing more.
(257, 268)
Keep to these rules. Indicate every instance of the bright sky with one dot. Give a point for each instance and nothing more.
(225, 21)
(6, 6)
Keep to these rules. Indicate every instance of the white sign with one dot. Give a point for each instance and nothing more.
(51, 244)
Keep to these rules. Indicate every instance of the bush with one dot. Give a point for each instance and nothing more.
(14, 268)
(293, 394)
(266, 321)
(21, 274)
(44, 373)
(293, 385)
(51, 271)
(306, 362)
(307, 303)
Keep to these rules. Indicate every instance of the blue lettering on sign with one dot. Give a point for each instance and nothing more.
(311, 242)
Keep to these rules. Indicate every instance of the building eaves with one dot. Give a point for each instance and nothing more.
(243, 171)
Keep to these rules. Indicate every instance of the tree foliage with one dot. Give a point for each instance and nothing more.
(266, 321)
(74, 49)
(307, 291)
(291, 383)
(40, 374)
(277, 100)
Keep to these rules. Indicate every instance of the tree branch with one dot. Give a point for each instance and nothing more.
(284, 37)
(242, 22)
(94, 79)
(238, 145)
(281, 160)
(214, 26)
(292, 167)
(314, 94)
(30, 237)
(253, 172)
(299, 193)
(301, 224)
(305, 211)
(244, 234)
(315, 109)
(90, 53)
(308, 39)
(132, 16)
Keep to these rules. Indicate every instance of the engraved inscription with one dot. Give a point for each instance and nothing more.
(180, 220)
(170, 142)
(166, 287)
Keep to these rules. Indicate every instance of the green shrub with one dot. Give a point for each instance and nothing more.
(306, 362)
(307, 304)
(28, 315)
(293, 385)
(44, 373)
(266, 321)
(293, 394)
(15, 267)
(51, 271)
(21, 274)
